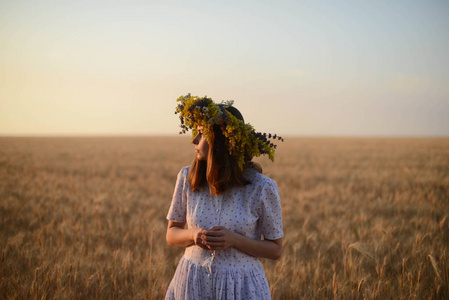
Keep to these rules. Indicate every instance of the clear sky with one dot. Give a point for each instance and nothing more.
(333, 68)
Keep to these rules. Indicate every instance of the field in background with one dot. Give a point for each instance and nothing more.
(364, 218)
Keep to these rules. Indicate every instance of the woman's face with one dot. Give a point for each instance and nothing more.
(201, 145)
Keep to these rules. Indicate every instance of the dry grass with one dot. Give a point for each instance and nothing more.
(85, 217)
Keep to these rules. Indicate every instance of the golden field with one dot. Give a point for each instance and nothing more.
(364, 218)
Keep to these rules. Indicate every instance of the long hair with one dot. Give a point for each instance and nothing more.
(221, 171)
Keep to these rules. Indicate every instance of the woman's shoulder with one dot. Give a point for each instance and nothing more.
(258, 179)
(183, 173)
(185, 169)
(261, 188)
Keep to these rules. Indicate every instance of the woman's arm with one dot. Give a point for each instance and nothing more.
(218, 238)
(177, 235)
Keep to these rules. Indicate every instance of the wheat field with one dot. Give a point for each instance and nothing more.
(84, 218)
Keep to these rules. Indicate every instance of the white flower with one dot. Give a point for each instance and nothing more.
(227, 103)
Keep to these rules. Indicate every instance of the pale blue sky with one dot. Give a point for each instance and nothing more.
(339, 68)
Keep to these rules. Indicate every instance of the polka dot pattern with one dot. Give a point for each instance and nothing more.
(253, 210)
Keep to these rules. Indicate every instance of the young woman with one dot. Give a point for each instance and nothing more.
(232, 211)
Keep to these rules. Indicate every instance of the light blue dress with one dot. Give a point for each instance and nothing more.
(253, 210)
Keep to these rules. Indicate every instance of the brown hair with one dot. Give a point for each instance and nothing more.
(221, 171)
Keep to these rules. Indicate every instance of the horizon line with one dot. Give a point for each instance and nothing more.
(142, 135)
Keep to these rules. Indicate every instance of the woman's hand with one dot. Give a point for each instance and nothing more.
(197, 235)
(178, 236)
(218, 238)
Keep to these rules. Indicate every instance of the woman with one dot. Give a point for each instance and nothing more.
(232, 211)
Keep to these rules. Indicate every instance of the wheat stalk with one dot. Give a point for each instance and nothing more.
(435, 267)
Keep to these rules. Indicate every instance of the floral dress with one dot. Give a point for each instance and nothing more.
(253, 210)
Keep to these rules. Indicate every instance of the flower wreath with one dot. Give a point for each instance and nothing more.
(242, 141)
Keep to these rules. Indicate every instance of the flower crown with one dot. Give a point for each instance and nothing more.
(242, 141)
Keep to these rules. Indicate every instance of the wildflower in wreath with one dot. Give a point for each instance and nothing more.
(242, 141)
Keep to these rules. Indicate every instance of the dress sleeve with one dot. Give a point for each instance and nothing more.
(270, 213)
(178, 207)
